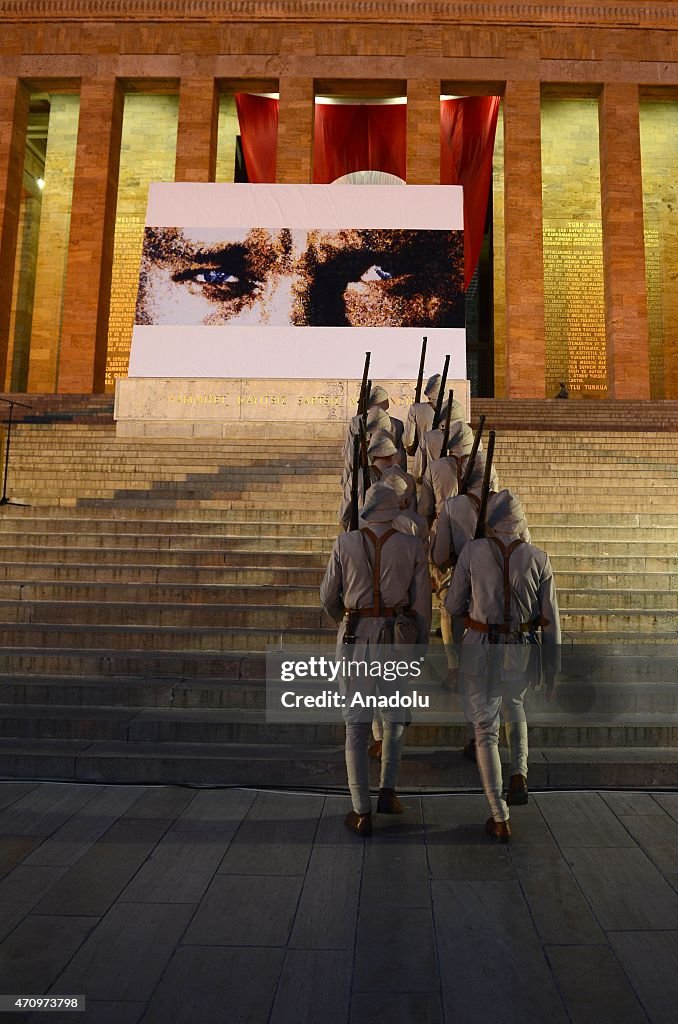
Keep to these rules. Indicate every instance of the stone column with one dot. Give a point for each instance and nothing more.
(14, 99)
(197, 131)
(626, 324)
(295, 131)
(525, 348)
(84, 337)
(423, 132)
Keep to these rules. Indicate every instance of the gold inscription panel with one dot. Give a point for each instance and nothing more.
(575, 308)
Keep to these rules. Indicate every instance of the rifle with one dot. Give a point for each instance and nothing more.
(441, 392)
(446, 433)
(468, 471)
(485, 493)
(364, 396)
(420, 378)
(355, 466)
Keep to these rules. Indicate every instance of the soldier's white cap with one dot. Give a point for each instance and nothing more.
(401, 482)
(381, 504)
(461, 438)
(433, 385)
(377, 419)
(457, 413)
(378, 394)
(477, 473)
(381, 447)
(505, 513)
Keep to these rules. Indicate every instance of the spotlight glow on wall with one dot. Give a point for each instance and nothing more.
(40, 182)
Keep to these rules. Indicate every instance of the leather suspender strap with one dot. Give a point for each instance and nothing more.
(378, 542)
(506, 554)
(493, 628)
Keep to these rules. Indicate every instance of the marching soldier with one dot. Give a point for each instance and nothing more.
(420, 415)
(379, 400)
(409, 520)
(431, 443)
(504, 586)
(378, 422)
(443, 475)
(373, 574)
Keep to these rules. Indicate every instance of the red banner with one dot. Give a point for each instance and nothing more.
(372, 137)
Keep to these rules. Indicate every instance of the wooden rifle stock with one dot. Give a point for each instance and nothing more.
(485, 493)
(446, 433)
(420, 378)
(468, 471)
(441, 394)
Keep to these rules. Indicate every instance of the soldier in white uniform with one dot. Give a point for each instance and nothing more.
(420, 415)
(402, 581)
(379, 400)
(504, 585)
(443, 475)
(431, 443)
(409, 522)
(377, 422)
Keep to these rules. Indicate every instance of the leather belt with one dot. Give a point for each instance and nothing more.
(372, 613)
(504, 627)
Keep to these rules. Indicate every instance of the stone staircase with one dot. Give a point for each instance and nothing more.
(142, 580)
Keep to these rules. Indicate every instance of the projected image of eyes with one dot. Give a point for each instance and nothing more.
(288, 276)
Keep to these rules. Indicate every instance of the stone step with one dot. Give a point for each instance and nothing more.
(274, 583)
(44, 529)
(191, 726)
(233, 603)
(159, 539)
(93, 512)
(119, 762)
(221, 554)
(253, 583)
(236, 663)
(239, 562)
(254, 628)
(240, 634)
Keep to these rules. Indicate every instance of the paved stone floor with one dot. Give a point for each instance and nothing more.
(181, 906)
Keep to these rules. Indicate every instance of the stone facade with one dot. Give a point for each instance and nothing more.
(618, 52)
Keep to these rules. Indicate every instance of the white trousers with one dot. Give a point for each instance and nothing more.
(485, 709)
(357, 761)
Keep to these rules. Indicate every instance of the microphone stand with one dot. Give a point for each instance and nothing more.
(4, 500)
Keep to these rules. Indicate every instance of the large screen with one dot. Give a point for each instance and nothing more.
(299, 280)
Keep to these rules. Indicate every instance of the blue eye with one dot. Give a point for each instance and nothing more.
(377, 273)
(218, 277)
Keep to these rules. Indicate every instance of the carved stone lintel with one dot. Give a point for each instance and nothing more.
(613, 13)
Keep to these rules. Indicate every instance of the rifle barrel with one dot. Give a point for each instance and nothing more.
(446, 433)
(441, 393)
(420, 377)
(355, 466)
(468, 471)
(363, 398)
(482, 511)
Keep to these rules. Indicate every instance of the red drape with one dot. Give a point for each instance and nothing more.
(467, 128)
(358, 137)
(258, 119)
(371, 137)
